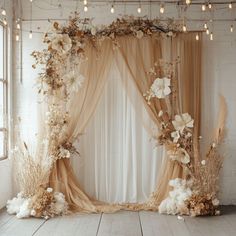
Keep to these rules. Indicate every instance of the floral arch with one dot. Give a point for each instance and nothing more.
(161, 60)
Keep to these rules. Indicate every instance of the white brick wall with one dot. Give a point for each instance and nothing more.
(219, 75)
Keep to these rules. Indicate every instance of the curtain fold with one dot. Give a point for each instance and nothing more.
(138, 56)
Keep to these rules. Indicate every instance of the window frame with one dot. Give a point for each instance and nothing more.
(4, 81)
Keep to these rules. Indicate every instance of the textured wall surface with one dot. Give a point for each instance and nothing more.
(219, 74)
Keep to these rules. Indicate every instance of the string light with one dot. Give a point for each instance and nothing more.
(203, 7)
(17, 37)
(18, 23)
(205, 26)
(30, 34)
(139, 9)
(211, 36)
(85, 2)
(197, 37)
(184, 28)
(188, 2)
(231, 28)
(4, 21)
(85, 8)
(207, 31)
(112, 9)
(162, 9)
(230, 6)
(209, 5)
(4, 13)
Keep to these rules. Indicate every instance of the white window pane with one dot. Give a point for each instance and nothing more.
(2, 144)
(1, 104)
(1, 51)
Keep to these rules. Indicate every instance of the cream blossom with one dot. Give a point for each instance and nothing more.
(139, 34)
(161, 87)
(74, 80)
(179, 154)
(61, 43)
(182, 121)
(175, 135)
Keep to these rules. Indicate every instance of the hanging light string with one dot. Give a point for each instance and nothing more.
(31, 11)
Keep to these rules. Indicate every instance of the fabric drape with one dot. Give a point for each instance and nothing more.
(138, 55)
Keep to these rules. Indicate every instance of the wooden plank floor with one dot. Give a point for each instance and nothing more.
(122, 223)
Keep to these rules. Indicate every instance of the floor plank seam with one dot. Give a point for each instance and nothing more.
(39, 227)
(99, 223)
(140, 223)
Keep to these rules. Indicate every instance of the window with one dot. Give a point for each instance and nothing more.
(3, 92)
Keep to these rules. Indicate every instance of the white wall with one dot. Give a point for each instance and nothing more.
(219, 70)
(5, 165)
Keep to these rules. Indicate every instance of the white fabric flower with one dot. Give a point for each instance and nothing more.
(161, 87)
(183, 121)
(74, 80)
(61, 43)
(175, 135)
(180, 155)
(139, 34)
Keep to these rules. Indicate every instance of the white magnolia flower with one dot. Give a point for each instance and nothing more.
(74, 80)
(180, 155)
(183, 121)
(161, 87)
(175, 135)
(61, 43)
(139, 34)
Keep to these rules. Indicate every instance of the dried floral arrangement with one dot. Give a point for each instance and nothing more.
(57, 82)
(196, 194)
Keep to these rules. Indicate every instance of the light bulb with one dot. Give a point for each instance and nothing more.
(139, 10)
(203, 7)
(85, 8)
(184, 28)
(211, 36)
(18, 25)
(231, 28)
(4, 13)
(207, 31)
(230, 6)
(30, 34)
(197, 37)
(162, 9)
(188, 2)
(85, 2)
(209, 5)
(17, 37)
(31, 0)
(5, 21)
(205, 26)
(112, 9)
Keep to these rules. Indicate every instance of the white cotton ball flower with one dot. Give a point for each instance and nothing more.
(33, 212)
(13, 206)
(183, 121)
(161, 87)
(24, 210)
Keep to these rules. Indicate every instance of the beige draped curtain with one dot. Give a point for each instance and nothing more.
(138, 57)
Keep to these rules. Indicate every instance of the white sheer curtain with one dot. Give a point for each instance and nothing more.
(119, 162)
